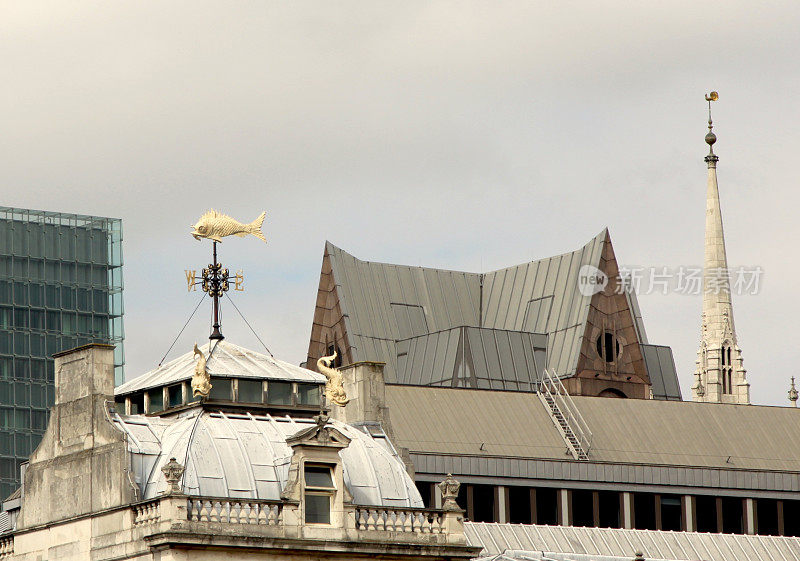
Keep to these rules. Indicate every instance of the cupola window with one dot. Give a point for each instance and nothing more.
(156, 398)
(137, 404)
(279, 393)
(175, 395)
(308, 394)
(220, 389)
(319, 492)
(251, 391)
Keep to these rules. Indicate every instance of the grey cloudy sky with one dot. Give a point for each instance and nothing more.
(458, 135)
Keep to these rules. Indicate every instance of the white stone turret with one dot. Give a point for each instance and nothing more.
(720, 376)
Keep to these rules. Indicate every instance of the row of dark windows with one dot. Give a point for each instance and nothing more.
(9, 473)
(604, 509)
(235, 390)
(23, 343)
(57, 272)
(22, 419)
(24, 394)
(67, 323)
(19, 444)
(27, 369)
(53, 242)
(54, 296)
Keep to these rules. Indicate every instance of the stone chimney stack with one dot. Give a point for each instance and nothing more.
(82, 462)
(365, 387)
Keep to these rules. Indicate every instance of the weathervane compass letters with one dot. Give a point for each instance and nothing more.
(215, 278)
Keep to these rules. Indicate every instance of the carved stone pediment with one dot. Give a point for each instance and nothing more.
(320, 434)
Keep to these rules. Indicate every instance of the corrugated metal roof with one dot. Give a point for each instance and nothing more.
(227, 359)
(512, 555)
(246, 456)
(620, 543)
(661, 368)
(473, 357)
(631, 431)
(384, 303)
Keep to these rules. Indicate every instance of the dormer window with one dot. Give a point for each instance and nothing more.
(318, 493)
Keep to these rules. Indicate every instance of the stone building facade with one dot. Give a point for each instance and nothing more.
(96, 488)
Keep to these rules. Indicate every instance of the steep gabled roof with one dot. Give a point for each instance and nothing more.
(381, 304)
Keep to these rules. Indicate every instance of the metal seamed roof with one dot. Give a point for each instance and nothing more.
(513, 425)
(227, 360)
(246, 456)
(520, 542)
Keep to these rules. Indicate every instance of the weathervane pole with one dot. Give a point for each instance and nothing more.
(216, 333)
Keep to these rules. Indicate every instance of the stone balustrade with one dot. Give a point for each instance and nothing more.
(235, 511)
(146, 513)
(175, 510)
(414, 520)
(7, 546)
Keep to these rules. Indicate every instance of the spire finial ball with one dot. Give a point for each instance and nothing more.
(711, 138)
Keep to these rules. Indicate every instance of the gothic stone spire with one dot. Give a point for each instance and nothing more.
(720, 376)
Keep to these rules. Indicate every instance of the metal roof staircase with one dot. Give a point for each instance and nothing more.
(565, 415)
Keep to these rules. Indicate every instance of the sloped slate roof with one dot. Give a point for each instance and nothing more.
(384, 303)
(484, 423)
(226, 359)
(517, 539)
(246, 456)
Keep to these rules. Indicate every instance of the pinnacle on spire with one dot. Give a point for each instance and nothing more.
(711, 138)
(793, 393)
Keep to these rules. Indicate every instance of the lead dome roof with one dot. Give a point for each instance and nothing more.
(246, 456)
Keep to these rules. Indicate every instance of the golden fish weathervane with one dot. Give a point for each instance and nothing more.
(214, 226)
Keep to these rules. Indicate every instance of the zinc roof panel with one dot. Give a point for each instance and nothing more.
(491, 298)
(566, 287)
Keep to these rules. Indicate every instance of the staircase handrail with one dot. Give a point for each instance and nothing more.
(555, 387)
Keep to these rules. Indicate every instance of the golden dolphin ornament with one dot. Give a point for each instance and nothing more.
(214, 225)
(334, 389)
(201, 381)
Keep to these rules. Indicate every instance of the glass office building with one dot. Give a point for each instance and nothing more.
(60, 288)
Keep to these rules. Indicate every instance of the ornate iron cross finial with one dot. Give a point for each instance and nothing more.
(449, 489)
(173, 471)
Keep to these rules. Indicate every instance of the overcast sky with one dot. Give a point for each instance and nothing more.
(469, 136)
